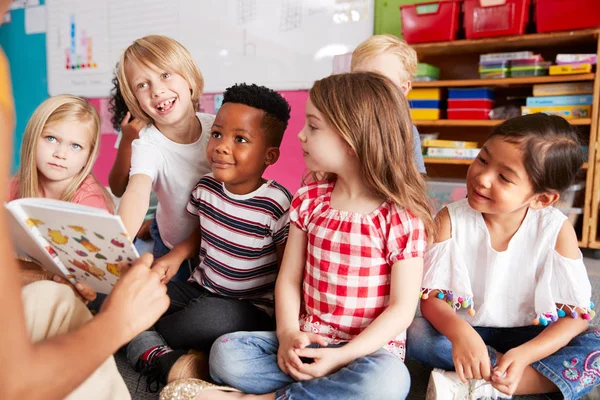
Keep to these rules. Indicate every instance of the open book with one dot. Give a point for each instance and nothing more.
(81, 243)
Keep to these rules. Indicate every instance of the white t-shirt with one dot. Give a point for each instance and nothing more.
(175, 169)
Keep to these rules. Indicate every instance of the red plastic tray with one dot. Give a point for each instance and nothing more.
(485, 18)
(431, 22)
(564, 15)
(468, 113)
(475, 103)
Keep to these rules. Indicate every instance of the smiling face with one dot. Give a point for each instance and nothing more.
(238, 150)
(163, 95)
(63, 150)
(497, 181)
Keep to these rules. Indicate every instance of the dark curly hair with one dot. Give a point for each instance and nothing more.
(276, 108)
(552, 152)
(116, 104)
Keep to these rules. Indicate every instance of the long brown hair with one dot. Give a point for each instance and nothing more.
(372, 116)
(55, 110)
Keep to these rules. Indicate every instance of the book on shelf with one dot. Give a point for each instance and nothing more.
(573, 100)
(455, 144)
(80, 243)
(441, 152)
(561, 89)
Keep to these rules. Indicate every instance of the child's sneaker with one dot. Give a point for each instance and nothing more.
(446, 385)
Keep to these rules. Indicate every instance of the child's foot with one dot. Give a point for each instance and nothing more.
(155, 365)
(446, 385)
(191, 365)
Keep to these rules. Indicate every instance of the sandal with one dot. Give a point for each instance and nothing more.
(187, 389)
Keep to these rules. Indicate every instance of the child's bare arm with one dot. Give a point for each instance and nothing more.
(134, 203)
(168, 265)
(119, 173)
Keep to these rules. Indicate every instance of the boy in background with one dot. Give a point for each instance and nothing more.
(397, 61)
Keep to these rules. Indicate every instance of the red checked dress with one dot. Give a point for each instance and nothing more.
(349, 262)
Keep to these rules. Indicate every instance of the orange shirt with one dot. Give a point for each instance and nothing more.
(90, 193)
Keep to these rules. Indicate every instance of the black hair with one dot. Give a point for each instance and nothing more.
(116, 105)
(552, 153)
(276, 108)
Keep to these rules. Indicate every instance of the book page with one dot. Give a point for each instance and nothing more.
(90, 245)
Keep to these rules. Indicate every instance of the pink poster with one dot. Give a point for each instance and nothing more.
(288, 170)
(290, 167)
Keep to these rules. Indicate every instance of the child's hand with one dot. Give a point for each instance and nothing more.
(470, 356)
(130, 127)
(509, 371)
(287, 359)
(137, 300)
(144, 232)
(167, 266)
(326, 361)
(81, 290)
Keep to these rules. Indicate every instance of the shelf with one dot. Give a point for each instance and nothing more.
(507, 43)
(529, 80)
(452, 161)
(484, 122)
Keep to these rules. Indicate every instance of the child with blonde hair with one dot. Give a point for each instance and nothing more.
(397, 61)
(349, 282)
(59, 148)
(161, 85)
(506, 296)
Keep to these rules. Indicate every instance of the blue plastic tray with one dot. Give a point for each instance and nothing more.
(424, 103)
(472, 93)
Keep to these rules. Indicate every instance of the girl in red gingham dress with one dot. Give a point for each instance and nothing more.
(353, 263)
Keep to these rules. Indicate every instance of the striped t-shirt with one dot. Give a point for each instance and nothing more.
(240, 233)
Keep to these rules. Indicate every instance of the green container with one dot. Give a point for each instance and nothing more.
(426, 70)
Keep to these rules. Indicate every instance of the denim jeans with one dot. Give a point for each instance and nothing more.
(574, 369)
(248, 361)
(160, 249)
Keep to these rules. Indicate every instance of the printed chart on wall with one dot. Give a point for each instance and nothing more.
(282, 44)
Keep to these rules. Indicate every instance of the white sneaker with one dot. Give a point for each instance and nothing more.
(446, 385)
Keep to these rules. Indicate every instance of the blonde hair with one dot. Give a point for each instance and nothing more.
(372, 116)
(381, 44)
(164, 53)
(54, 110)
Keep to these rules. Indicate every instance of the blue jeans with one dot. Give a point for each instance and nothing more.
(160, 249)
(248, 361)
(574, 369)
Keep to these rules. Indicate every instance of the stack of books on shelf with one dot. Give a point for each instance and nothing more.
(450, 149)
(567, 64)
(515, 64)
(568, 100)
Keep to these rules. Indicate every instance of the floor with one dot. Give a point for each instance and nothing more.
(419, 373)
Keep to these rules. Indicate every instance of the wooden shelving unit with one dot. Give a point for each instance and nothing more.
(486, 123)
(527, 81)
(453, 161)
(458, 62)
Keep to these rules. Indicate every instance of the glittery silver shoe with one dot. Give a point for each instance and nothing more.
(187, 389)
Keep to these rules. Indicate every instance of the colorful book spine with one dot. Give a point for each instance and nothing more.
(566, 112)
(437, 152)
(575, 58)
(561, 89)
(583, 100)
(517, 55)
(570, 69)
(452, 144)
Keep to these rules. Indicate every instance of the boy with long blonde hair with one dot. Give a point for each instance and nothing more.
(395, 60)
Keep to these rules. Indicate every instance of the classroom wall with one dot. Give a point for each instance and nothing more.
(27, 57)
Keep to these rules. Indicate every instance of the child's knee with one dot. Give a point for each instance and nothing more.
(422, 338)
(396, 383)
(224, 363)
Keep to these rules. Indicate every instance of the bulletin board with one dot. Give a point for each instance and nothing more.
(282, 44)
